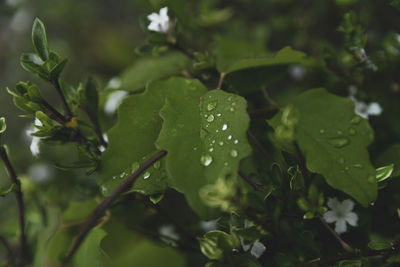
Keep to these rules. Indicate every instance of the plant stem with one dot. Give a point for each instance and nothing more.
(256, 186)
(344, 245)
(97, 129)
(56, 85)
(22, 255)
(221, 79)
(91, 221)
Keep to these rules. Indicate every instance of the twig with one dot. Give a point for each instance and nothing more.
(344, 245)
(56, 85)
(256, 186)
(221, 79)
(103, 206)
(22, 255)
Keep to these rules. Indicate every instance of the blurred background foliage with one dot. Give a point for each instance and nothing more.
(100, 38)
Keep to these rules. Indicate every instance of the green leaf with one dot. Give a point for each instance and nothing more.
(6, 191)
(57, 69)
(391, 155)
(334, 142)
(383, 173)
(27, 62)
(148, 69)
(284, 57)
(90, 252)
(3, 125)
(379, 243)
(132, 139)
(216, 244)
(205, 136)
(89, 97)
(39, 39)
(396, 4)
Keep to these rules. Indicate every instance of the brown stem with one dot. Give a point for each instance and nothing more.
(221, 79)
(344, 245)
(23, 255)
(256, 186)
(56, 85)
(103, 206)
(54, 113)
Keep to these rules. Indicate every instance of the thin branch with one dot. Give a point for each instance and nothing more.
(221, 79)
(22, 255)
(56, 85)
(54, 113)
(344, 245)
(256, 186)
(103, 206)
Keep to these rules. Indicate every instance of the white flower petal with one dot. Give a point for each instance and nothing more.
(347, 206)
(164, 13)
(333, 203)
(258, 249)
(207, 226)
(159, 22)
(34, 147)
(352, 218)
(361, 108)
(153, 17)
(374, 109)
(340, 226)
(330, 216)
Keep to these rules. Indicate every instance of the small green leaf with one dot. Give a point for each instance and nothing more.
(89, 97)
(57, 69)
(384, 173)
(391, 156)
(27, 62)
(334, 142)
(90, 252)
(216, 244)
(39, 39)
(3, 125)
(379, 243)
(148, 69)
(5, 191)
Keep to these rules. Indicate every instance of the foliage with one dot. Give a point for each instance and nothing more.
(221, 153)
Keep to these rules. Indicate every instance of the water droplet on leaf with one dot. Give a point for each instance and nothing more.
(212, 105)
(235, 141)
(218, 114)
(232, 109)
(355, 120)
(206, 160)
(135, 166)
(224, 127)
(234, 153)
(352, 131)
(229, 137)
(210, 118)
(221, 143)
(146, 175)
(321, 131)
(339, 142)
(357, 165)
(157, 164)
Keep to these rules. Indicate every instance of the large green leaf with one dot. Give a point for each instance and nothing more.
(334, 142)
(131, 140)
(149, 69)
(284, 57)
(205, 136)
(90, 252)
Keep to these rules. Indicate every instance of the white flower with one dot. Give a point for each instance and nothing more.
(159, 22)
(363, 109)
(257, 248)
(168, 235)
(113, 101)
(207, 226)
(341, 213)
(34, 147)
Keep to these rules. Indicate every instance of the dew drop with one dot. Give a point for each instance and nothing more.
(157, 165)
(104, 189)
(135, 166)
(220, 143)
(206, 160)
(211, 149)
(225, 163)
(352, 131)
(224, 127)
(146, 175)
(339, 142)
(233, 103)
(213, 141)
(218, 114)
(114, 177)
(195, 148)
(211, 105)
(235, 141)
(217, 131)
(210, 118)
(229, 137)
(232, 109)
(122, 175)
(357, 165)
(234, 153)
(321, 131)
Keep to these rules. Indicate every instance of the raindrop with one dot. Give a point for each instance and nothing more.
(224, 127)
(206, 160)
(321, 131)
(346, 168)
(220, 143)
(233, 103)
(234, 153)
(230, 98)
(225, 163)
(210, 118)
(135, 166)
(235, 141)
(104, 189)
(355, 120)
(213, 141)
(218, 114)
(339, 132)
(157, 165)
(146, 175)
(229, 137)
(211, 149)
(212, 105)
(217, 131)
(339, 142)
(195, 148)
(114, 177)
(232, 109)
(352, 131)
(122, 175)
(357, 165)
